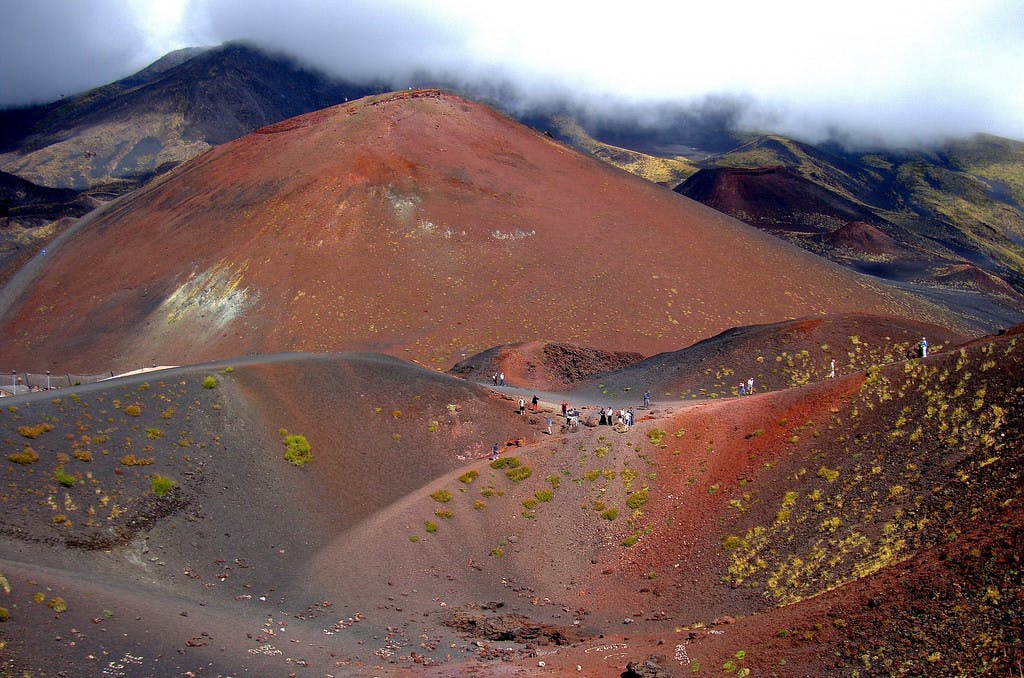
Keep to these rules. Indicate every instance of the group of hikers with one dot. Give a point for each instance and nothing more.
(623, 418)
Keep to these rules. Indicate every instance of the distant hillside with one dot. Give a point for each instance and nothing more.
(419, 224)
(118, 136)
(773, 198)
(30, 216)
(959, 204)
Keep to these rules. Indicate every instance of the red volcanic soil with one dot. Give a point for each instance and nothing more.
(870, 522)
(972, 277)
(543, 366)
(775, 198)
(863, 238)
(776, 356)
(418, 224)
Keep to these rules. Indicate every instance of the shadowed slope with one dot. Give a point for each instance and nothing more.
(418, 224)
(115, 137)
(231, 542)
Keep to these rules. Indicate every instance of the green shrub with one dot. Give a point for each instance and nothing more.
(505, 462)
(4, 614)
(544, 495)
(630, 540)
(518, 474)
(297, 450)
(637, 499)
(210, 382)
(161, 485)
(441, 496)
(63, 478)
(828, 474)
(433, 426)
(610, 514)
(154, 433)
(133, 410)
(132, 460)
(656, 435)
(469, 476)
(430, 526)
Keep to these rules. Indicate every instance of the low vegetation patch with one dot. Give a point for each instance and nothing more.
(132, 460)
(161, 485)
(26, 456)
(297, 450)
(63, 478)
(34, 432)
(518, 474)
(505, 462)
(441, 496)
(210, 382)
(637, 499)
(469, 476)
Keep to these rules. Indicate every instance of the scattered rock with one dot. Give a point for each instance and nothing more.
(652, 667)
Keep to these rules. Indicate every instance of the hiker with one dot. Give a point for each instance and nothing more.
(522, 407)
(832, 370)
(494, 451)
(647, 400)
(631, 418)
(534, 403)
(494, 378)
(501, 378)
(743, 388)
(750, 386)
(922, 348)
(604, 418)
(565, 407)
(549, 425)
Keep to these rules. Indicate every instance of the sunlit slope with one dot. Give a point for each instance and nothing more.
(419, 224)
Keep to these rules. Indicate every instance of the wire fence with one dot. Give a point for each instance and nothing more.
(17, 383)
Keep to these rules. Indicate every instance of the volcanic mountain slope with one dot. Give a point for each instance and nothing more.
(766, 197)
(30, 216)
(418, 224)
(117, 136)
(777, 356)
(542, 365)
(958, 204)
(868, 522)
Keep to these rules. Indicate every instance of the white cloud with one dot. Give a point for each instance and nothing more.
(908, 69)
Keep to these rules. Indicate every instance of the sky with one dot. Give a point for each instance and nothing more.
(890, 72)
